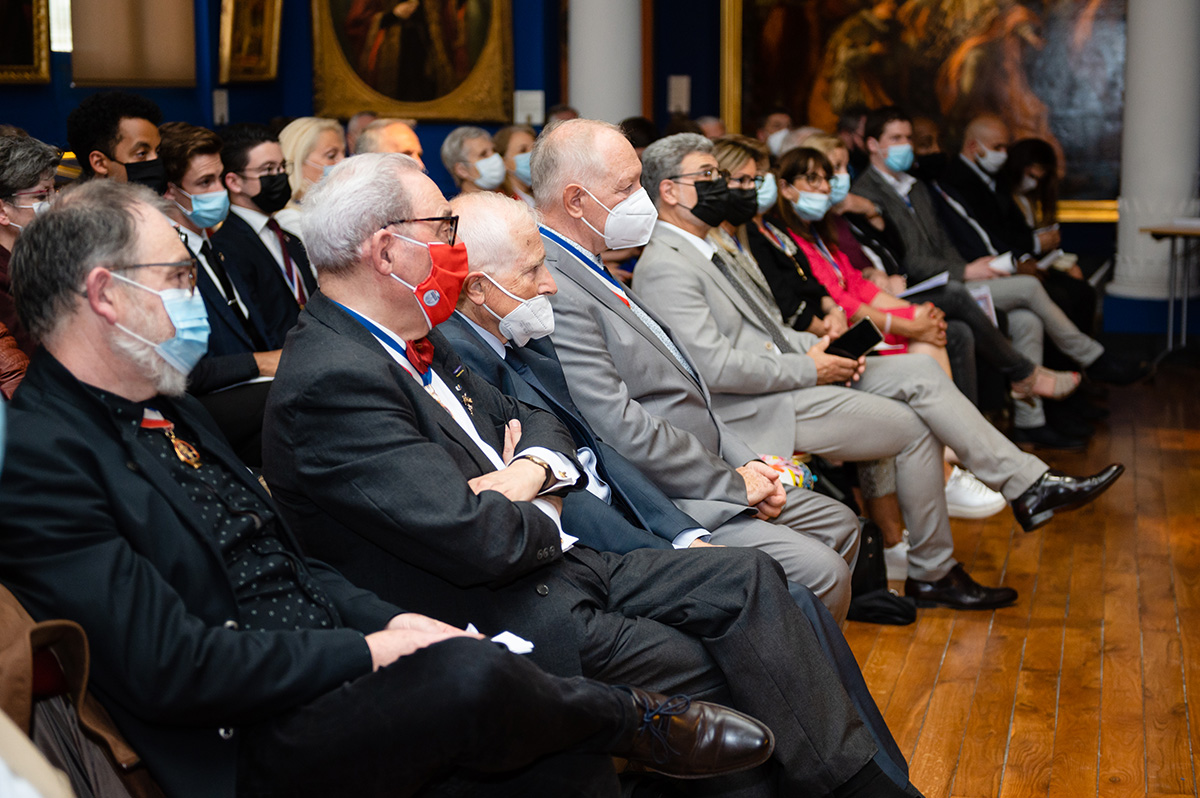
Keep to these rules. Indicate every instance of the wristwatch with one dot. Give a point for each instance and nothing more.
(551, 477)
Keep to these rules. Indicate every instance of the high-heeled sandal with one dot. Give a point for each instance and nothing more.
(1047, 384)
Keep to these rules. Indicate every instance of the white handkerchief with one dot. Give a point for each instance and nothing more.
(514, 643)
(1003, 263)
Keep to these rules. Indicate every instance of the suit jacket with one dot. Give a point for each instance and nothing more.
(230, 357)
(93, 529)
(928, 249)
(992, 211)
(640, 515)
(638, 398)
(372, 473)
(258, 269)
(749, 379)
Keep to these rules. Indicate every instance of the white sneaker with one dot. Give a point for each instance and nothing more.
(896, 560)
(967, 497)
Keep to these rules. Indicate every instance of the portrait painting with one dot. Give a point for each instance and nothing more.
(1053, 69)
(249, 46)
(422, 59)
(24, 41)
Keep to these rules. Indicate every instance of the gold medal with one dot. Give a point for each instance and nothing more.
(183, 450)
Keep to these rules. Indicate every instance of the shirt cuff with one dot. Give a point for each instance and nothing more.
(689, 536)
(565, 472)
(565, 540)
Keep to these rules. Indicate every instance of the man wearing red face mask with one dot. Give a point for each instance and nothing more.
(417, 479)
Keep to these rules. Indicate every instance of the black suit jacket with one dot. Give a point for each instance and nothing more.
(94, 529)
(254, 263)
(990, 210)
(641, 515)
(230, 357)
(372, 473)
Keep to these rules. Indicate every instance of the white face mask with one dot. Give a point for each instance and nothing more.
(630, 222)
(992, 160)
(533, 318)
(1028, 183)
(491, 172)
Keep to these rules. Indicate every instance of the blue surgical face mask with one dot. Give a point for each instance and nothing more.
(812, 205)
(522, 169)
(899, 157)
(768, 193)
(185, 309)
(208, 210)
(839, 187)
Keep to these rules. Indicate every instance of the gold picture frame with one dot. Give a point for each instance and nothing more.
(484, 95)
(35, 69)
(249, 41)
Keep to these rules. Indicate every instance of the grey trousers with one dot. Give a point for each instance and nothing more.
(1032, 314)
(815, 539)
(905, 406)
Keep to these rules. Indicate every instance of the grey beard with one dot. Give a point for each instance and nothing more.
(167, 380)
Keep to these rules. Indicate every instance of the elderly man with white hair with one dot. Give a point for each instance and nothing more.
(586, 181)
(390, 135)
(472, 160)
(421, 481)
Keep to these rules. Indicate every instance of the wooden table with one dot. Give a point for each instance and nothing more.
(1175, 232)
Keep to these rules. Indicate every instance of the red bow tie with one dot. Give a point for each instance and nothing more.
(419, 353)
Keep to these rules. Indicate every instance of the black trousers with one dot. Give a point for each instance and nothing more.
(958, 304)
(462, 717)
(720, 625)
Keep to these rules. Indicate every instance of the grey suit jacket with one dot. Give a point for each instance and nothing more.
(928, 249)
(640, 400)
(750, 380)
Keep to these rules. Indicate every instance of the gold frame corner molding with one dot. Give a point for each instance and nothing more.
(1091, 211)
(485, 95)
(39, 70)
(266, 68)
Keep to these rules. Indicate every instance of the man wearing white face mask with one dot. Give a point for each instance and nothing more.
(472, 161)
(232, 379)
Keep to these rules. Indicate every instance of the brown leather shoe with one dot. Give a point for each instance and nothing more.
(958, 591)
(690, 739)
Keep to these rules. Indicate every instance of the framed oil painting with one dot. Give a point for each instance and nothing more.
(1053, 69)
(249, 40)
(416, 59)
(24, 41)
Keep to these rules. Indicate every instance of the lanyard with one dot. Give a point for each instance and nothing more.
(574, 249)
(829, 257)
(387, 340)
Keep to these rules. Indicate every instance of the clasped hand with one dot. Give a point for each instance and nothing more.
(764, 490)
(406, 633)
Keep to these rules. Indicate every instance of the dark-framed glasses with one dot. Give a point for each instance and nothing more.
(447, 226)
(268, 169)
(703, 175)
(746, 182)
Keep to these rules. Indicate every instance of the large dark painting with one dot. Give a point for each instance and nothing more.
(1053, 69)
(24, 41)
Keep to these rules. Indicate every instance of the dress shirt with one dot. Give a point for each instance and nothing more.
(705, 247)
(901, 184)
(564, 470)
(195, 242)
(258, 223)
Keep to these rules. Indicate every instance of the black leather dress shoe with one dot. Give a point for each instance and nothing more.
(1117, 371)
(694, 739)
(958, 591)
(1055, 491)
(1046, 437)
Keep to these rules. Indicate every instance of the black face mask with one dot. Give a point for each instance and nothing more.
(929, 167)
(147, 173)
(712, 201)
(743, 204)
(273, 193)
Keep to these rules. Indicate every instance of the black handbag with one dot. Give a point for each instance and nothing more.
(870, 599)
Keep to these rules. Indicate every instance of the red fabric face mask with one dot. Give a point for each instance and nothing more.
(438, 293)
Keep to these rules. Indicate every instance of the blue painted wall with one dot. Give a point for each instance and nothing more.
(43, 109)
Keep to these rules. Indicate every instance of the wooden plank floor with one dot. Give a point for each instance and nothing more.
(1082, 688)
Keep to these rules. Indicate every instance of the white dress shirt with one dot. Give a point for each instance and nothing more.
(258, 223)
(194, 242)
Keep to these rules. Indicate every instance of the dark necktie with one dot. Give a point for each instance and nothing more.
(295, 281)
(769, 324)
(231, 297)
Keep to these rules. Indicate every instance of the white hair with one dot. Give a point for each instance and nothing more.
(298, 140)
(359, 196)
(565, 153)
(370, 137)
(491, 225)
(453, 146)
(167, 380)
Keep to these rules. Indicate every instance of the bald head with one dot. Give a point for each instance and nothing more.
(495, 229)
(390, 135)
(986, 131)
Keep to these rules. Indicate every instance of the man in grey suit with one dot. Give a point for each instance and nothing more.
(639, 387)
(631, 398)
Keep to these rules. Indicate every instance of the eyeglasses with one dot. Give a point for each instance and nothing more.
(186, 275)
(34, 194)
(812, 178)
(266, 169)
(447, 229)
(747, 182)
(703, 175)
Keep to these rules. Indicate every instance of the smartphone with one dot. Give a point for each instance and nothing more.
(857, 341)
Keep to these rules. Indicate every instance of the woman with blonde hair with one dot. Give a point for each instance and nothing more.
(311, 144)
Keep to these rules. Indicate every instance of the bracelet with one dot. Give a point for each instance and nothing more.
(887, 324)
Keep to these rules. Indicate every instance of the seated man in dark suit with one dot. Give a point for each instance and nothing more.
(232, 663)
(423, 482)
(501, 330)
(231, 380)
(271, 260)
